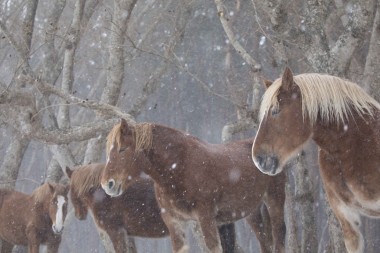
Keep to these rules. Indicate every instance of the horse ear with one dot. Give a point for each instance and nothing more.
(124, 127)
(287, 79)
(51, 187)
(267, 83)
(69, 172)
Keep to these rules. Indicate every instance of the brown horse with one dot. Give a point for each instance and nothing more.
(35, 219)
(211, 184)
(135, 212)
(343, 121)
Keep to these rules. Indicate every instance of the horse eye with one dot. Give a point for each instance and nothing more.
(121, 150)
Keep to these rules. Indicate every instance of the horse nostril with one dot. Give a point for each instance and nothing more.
(259, 159)
(111, 183)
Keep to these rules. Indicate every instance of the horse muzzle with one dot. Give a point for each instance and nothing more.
(57, 230)
(267, 164)
(112, 188)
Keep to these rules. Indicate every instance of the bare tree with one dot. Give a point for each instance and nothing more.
(71, 68)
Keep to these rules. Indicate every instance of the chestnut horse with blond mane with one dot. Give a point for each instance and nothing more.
(32, 220)
(212, 184)
(344, 121)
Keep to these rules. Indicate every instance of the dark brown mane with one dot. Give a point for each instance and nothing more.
(86, 177)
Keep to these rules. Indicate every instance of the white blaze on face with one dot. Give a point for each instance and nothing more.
(253, 157)
(108, 158)
(59, 215)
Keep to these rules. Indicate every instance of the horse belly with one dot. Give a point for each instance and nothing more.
(233, 208)
(12, 222)
(13, 233)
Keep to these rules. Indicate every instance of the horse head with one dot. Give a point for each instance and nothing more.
(57, 205)
(123, 159)
(283, 129)
(80, 207)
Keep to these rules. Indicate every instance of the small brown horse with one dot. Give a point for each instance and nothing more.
(136, 211)
(344, 122)
(212, 184)
(35, 219)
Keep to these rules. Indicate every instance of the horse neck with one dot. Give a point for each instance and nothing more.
(165, 152)
(339, 139)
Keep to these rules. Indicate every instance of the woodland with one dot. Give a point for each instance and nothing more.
(70, 69)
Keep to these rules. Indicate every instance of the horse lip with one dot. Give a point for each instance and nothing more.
(112, 193)
(118, 192)
(57, 232)
(266, 164)
(274, 168)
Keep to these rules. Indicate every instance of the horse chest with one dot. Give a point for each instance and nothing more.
(357, 187)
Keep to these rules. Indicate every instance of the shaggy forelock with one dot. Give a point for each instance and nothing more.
(141, 133)
(331, 97)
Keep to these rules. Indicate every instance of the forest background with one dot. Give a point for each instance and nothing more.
(69, 69)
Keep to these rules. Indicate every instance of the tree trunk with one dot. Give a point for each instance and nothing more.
(305, 198)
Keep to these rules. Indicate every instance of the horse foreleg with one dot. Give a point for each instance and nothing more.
(53, 244)
(227, 237)
(33, 240)
(350, 221)
(177, 233)
(275, 202)
(131, 247)
(260, 223)
(210, 232)
(118, 238)
(33, 248)
(6, 247)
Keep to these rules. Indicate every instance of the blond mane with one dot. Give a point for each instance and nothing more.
(86, 177)
(142, 136)
(331, 97)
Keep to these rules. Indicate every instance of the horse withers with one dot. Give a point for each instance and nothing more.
(212, 184)
(344, 121)
(32, 220)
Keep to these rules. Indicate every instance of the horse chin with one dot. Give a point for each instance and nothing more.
(272, 171)
(57, 231)
(268, 165)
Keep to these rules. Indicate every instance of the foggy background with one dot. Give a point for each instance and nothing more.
(194, 65)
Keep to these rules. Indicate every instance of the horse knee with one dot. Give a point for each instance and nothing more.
(350, 223)
(353, 239)
(184, 249)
